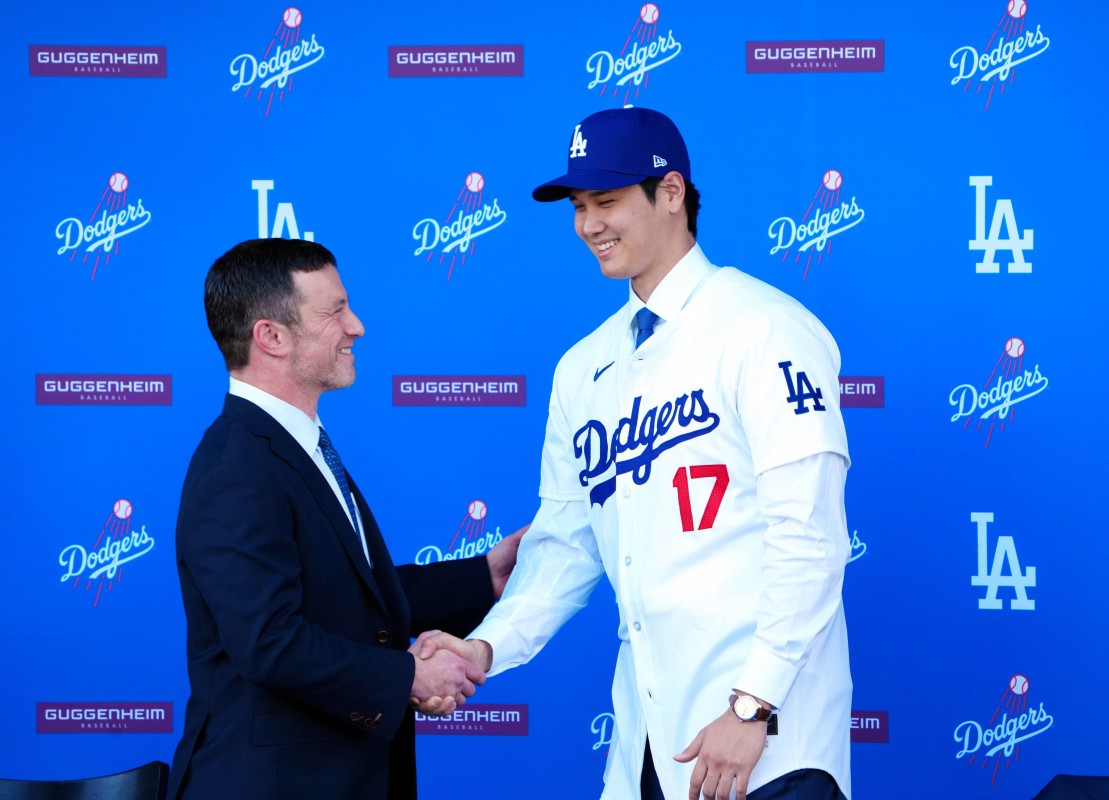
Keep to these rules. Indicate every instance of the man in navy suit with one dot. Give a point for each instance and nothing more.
(299, 625)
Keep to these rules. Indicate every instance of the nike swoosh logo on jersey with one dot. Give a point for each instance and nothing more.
(601, 371)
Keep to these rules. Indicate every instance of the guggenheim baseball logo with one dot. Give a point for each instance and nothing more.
(460, 390)
(104, 390)
(1011, 42)
(270, 73)
(846, 55)
(99, 232)
(470, 217)
(644, 50)
(994, 401)
(96, 61)
(826, 216)
(101, 565)
(456, 61)
(1015, 720)
(862, 392)
(478, 719)
(99, 717)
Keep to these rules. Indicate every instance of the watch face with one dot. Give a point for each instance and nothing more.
(746, 707)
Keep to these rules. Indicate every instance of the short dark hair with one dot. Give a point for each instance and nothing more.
(692, 200)
(252, 281)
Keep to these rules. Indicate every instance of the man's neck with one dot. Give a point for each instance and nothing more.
(281, 389)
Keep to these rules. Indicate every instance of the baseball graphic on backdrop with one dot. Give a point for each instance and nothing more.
(649, 13)
(1014, 348)
(291, 17)
(118, 182)
(475, 181)
(478, 510)
(1017, 8)
(1018, 684)
(122, 508)
(832, 180)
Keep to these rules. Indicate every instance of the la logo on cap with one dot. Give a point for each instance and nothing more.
(577, 147)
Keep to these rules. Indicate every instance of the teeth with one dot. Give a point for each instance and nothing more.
(607, 245)
(344, 350)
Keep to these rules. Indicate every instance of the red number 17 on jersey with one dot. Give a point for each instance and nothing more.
(685, 507)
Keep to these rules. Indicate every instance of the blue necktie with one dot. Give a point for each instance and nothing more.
(335, 464)
(645, 320)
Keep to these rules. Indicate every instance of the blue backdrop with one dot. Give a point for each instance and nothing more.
(956, 142)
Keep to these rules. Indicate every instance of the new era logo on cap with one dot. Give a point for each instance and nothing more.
(624, 146)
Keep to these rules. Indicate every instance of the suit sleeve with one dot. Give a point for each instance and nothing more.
(239, 536)
(451, 596)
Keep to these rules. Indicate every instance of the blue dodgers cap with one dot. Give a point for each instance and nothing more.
(617, 148)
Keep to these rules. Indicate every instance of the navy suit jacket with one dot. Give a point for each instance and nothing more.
(298, 671)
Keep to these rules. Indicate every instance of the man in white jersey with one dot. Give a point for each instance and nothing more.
(694, 453)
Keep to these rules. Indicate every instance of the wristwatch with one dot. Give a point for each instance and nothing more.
(748, 709)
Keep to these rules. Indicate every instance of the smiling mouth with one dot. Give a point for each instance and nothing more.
(345, 350)
(607, 245)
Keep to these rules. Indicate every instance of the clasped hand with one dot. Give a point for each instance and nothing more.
(448, 670)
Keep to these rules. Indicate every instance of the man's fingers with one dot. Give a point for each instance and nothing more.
(690, 753)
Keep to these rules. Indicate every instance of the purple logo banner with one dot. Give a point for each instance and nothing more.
(96, 61)
(870, 726)
(862, 392)
(456, 61)
(832, 55)
(459, 390)
(104, 717)
(104, 390)
(478, 719)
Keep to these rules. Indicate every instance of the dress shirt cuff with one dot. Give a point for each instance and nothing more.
(504, 639)
(767, 677)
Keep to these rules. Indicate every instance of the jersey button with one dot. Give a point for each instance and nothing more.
(627, 492)
(627, 561)
(637, 626)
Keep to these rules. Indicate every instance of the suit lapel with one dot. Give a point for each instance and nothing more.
(285, 447)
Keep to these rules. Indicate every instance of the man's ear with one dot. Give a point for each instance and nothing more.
(673, 188)
(272, 338)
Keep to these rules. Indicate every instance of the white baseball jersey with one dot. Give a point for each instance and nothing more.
(649, 471)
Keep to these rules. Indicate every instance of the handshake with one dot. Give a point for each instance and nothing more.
(448, 670)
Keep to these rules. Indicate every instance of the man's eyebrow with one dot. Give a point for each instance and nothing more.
(594, 193)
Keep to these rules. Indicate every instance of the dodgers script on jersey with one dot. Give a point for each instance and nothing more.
(649, 467)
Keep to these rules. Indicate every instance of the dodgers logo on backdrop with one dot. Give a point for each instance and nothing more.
(99, 233)
(603, 726)
(999, 735)
(284, 219)
(271, 72)
(645, 49)
(643, 434)
(992, 575)
(994, 401)
(1011, 43)
(470, 217)
(101, 565)
(1015, 241)
(858, 547)
(826, 216)
(471, 538)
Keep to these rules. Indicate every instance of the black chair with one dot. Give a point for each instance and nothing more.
(1075, 787)
(147, 782)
